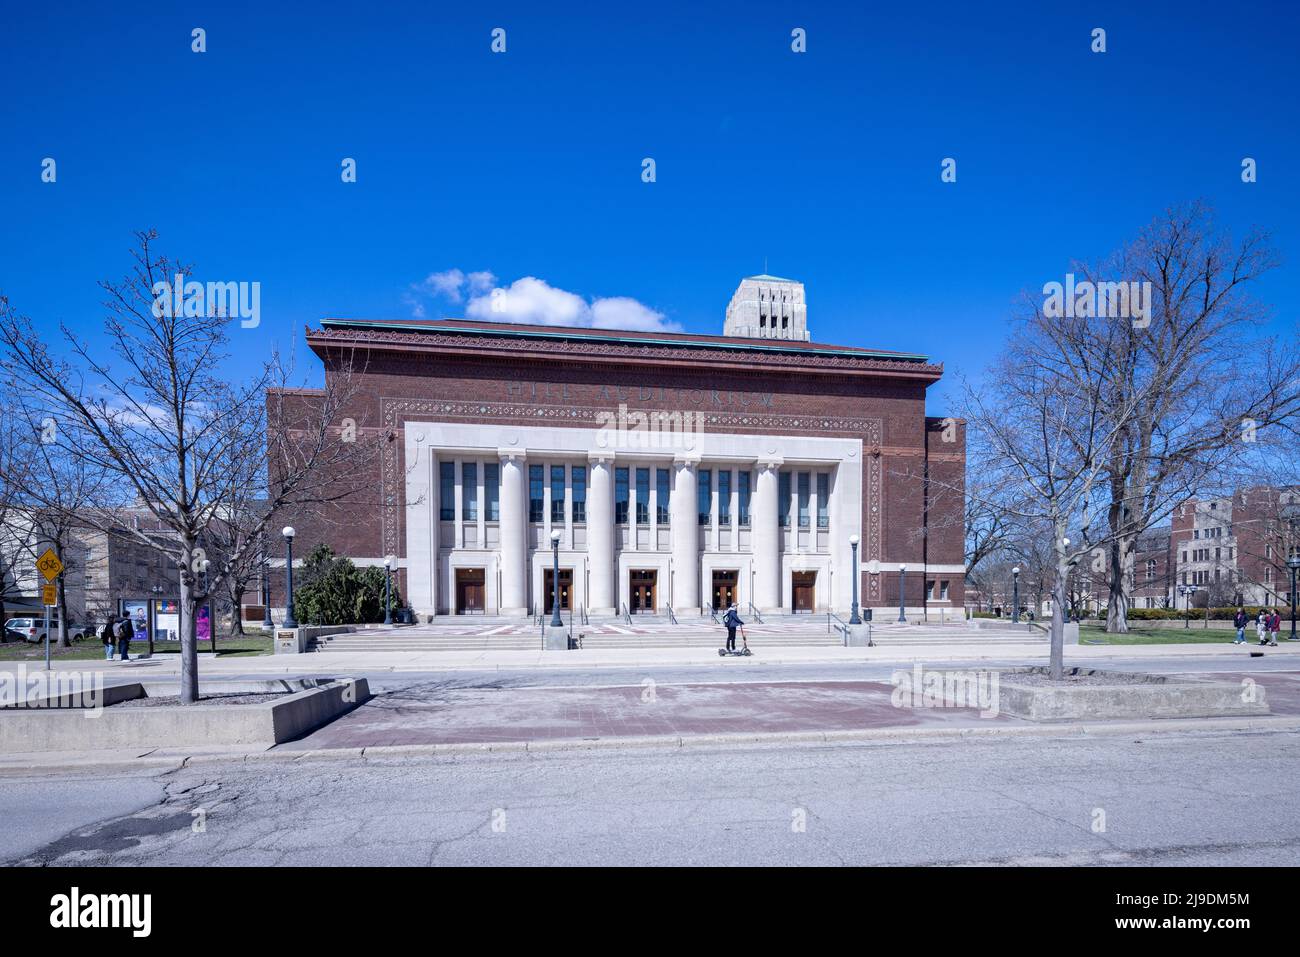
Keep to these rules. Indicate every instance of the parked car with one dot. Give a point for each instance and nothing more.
(14, 635)
(33, 629)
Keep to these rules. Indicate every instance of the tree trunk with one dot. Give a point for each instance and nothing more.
(236, 613)
(64, 640)
(1056, 660)
(188, 625)
(1121, 556)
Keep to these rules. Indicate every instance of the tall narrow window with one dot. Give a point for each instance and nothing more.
(536, 501)
(492, 491)
(643, 496)
(557, 494)
(620, 496)
(705, 496)
(447, 496)
(661, 496)
(578, 482)
(469, 491)
(724, 497)
(783, 494)
(823, 500)
(742, 490)
(803, 499)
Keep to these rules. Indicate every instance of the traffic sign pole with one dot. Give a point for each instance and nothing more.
(47, 637)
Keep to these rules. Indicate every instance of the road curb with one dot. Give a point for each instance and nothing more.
(174, 762)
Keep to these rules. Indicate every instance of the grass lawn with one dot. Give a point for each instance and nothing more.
(253, 643)
(1092, 633)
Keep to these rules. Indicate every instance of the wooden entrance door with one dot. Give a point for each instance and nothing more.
(641, 591)
(724, 588)
(566, 589)
(804, 592)
(471, 591)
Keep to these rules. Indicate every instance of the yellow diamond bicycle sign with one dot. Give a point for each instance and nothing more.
(49, 565)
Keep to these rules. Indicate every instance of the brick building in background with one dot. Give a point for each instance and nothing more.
(679, 471)
(1234, 549)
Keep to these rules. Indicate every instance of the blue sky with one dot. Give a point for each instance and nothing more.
(528, 163)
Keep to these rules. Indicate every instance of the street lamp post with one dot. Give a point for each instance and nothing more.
(1293, 563)
(556, 621)
(289, 620)
(1187, 591)
(853, 544)
(902, 591)
(388, 590)
(1015, 596)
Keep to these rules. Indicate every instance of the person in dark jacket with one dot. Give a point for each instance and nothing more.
(1274, 626)
(108, 638)
(731, 621)
(1239, 621)
(125, 630)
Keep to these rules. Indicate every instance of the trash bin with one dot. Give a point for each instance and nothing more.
(866, 614)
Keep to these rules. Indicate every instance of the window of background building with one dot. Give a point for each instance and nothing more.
(469, 491)
(823, 500)
(943, 590)
(643, 496)
(742, 494)
(447, 496)
(557, 494)
(783, 493)
(578, 482)
(803, 499)
(536, 499)
(492, 491)
(705, 496)
(724, 497)
(620, 496)
(661, 496)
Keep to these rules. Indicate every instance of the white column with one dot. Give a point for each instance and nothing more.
(481, 492)
(685, 536)
(459, 540)
(765, 535)
(514, 532)
(421, 523)
(600, 532)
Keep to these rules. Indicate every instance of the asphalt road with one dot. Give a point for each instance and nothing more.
(1170, 799)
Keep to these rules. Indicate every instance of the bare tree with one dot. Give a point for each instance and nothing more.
(15, 478)
(153, 408)
(1195, 380)
(1050, 426)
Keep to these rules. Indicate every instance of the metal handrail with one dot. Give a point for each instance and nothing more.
(839, 624)
(625, 615)
(671, 616)
(754, 613)
(713, 613)
(582, 610)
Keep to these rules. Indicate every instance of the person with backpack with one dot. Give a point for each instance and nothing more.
(125, 631)
(731, 621)
(109, 639)
(1261, 627)
(1239, 621)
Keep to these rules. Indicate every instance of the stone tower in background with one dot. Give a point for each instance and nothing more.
(768, 307)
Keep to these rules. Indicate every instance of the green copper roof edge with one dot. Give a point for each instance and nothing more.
(541, 333)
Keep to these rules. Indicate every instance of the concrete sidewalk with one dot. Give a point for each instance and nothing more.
(342, 663)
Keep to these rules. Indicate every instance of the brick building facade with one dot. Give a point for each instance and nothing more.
(679, 471)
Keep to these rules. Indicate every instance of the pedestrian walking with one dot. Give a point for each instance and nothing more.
(1261, 627)
(125, 630)
(1274, 626)
(1239, 621)
(108, 637)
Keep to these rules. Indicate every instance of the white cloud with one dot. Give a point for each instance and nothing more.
(446, 283)
(534, 301)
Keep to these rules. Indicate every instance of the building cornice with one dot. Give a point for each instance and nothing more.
(545, 345)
